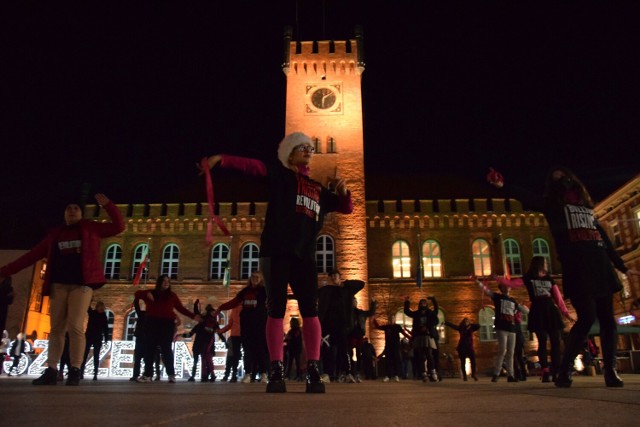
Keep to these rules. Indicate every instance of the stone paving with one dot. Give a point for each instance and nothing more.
(370, 403)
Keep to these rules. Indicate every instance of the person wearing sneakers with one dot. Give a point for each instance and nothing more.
(295, 214)
(160, 324)
(74, 271)
(253, 317)
(234, 343)
(504, 323)
(545, 317)
(424, 322)
(392, 355)
(588, 259)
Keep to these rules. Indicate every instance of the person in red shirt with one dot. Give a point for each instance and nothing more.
(159, 325)
(74, 271)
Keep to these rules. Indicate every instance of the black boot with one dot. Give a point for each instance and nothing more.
(611, 378)
(563, 380)
(275, 383)
(73, 377)
(314, 382)
(49, 377)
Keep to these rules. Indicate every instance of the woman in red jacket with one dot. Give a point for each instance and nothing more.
(74, 270)
(159, 325)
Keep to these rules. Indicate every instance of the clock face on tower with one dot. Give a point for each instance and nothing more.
(323, 98)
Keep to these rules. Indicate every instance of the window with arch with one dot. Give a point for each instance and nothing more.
(512, 255)
(442, 331)
(219, 261)
(331, 145)
(110, 319)
(130, 326)
(431, 259)
(481, 257)
(112, 259)
(325, 254)
(139, 253)
(170, 259)
(486, 317)
(523, 325)
(401, 259)
(250, 258)
(317, 144)
(541, 248)
(403, 320)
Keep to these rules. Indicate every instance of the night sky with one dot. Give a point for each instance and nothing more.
(124, 101)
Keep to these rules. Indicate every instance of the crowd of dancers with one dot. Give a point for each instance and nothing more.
(331, 326)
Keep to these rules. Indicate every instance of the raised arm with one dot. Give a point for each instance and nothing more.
(243, 164)
(116, 226)
(484, 288)
(452, 326)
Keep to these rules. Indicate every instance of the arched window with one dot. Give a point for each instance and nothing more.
(219, 260)
(401, 259)
(431, 259)
(110, 319)
(170, 258)
(317, 144)
(487, 330)
(523, 324)
(130, 326)
(481, 258)
(139, 253)
(404, 320)
(541, 248)
(112, 259)
(331, 145)
(325, 254)
(442, 331)
(512, 255)
(250, 257)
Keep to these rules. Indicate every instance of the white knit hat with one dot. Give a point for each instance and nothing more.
(288, 143)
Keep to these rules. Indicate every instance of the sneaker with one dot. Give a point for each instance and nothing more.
(143, 379)
(494, 379)
(172, 379)
(325, 378)
(433, 376)
(157, 378)
(191, 380)
(358, 380)
(49, 377)
(246, 379)
(385, 380)
(263, 378)
(350, 379)
(74, 377)
(396, 379)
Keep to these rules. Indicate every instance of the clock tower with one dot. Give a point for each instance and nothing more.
(324, 100)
